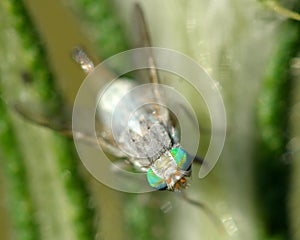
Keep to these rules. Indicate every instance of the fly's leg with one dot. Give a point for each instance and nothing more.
(100, 140)
(43, 121)
(214, 218)
(128, 165)
(145, 41)
(199, 160)
(65, 130)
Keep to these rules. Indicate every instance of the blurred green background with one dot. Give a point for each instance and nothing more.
(253, 53)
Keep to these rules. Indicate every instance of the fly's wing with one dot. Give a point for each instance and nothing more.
(141, 33)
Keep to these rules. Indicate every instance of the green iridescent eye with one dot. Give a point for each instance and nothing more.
(155, 181)
(181, 157)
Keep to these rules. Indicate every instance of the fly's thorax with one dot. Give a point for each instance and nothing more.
(150, 139)
(169, 169)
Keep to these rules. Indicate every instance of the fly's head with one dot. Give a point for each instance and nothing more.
(170, 170)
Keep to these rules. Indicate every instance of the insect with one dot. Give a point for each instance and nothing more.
(149, 138)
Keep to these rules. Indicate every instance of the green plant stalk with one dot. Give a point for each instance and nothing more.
(294, 197)
(60, 201)
(277, 7)
(19, 198)
(273, 172)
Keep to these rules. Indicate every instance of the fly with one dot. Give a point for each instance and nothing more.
(149, 139)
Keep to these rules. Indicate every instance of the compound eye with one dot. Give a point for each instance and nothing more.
(155, 181)
(181, 158)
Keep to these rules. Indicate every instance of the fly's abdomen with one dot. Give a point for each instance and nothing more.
(109, 104)
(129, 114)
